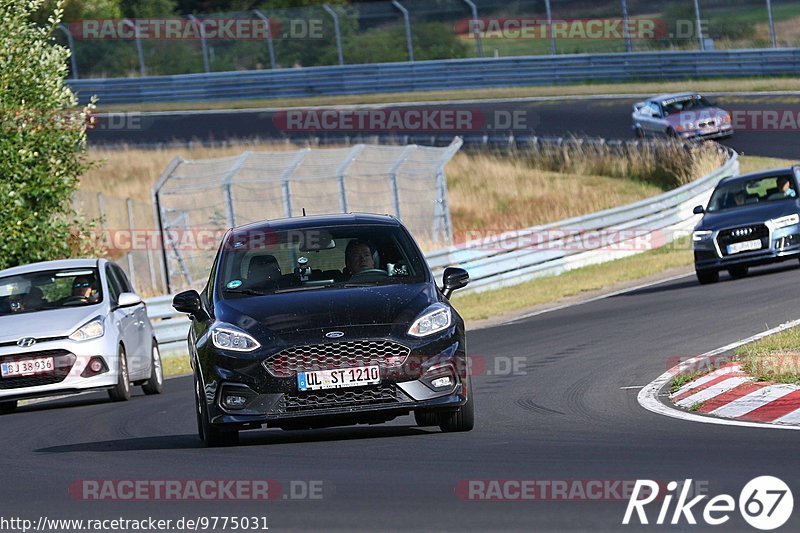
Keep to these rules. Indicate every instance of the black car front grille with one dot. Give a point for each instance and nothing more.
(341, 398)
(335, 355)
(743, 234)
(62, 364)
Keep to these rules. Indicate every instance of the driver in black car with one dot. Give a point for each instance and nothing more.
(358, 257)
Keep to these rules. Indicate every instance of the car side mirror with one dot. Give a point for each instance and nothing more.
(189, 302)
(698, 210)
(128, 299)
(454, 279)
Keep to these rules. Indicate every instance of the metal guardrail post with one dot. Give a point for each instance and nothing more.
(73, 62)
(165, 282)
(201, 27)
(772, 35)
(286, 175)
(442, 217)
(393, 177)
(626, 34)
(699, 25)
(407, 21)
(138, 40)
(227, 180)
(550, 27)
(270, 46)
(341, 172)
(473, 23)
(131, 225)
(337, 31)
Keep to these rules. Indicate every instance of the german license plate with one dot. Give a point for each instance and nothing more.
(27, 367)
(745, 246)
(339, 378)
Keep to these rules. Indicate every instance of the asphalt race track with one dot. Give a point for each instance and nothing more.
(565, 418)
(607, 117)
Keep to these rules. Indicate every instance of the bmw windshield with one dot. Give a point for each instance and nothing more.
(741, 193)
(51, 289)
(266, 262)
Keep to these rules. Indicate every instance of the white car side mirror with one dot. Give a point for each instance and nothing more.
(128, 299)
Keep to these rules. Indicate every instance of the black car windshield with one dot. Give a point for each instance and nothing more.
(50, 289)
(261, 262)
(685, 103)
(742, 193)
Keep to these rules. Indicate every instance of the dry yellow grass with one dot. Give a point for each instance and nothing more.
(490, 192)
(486, 191)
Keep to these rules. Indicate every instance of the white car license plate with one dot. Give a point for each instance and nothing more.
(339, 378)
(27, 367)
(745, 246)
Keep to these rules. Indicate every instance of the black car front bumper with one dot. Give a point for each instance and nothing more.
(276, 400)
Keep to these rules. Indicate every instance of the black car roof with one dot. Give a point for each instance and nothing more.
(316, 221)
(787, 171)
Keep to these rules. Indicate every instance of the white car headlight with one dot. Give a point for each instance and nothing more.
(91, 330)
(434, 319)
(701, 235)
(228, 338)
(789, 220)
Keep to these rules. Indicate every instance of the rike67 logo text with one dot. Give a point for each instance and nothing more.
(765, 503)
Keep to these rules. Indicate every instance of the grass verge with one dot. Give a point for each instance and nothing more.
(715, 85)
(176, 365)
(775, 358)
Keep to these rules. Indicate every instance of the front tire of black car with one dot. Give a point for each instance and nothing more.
(211, 436)
(738, 272)
(461, 420)
(6, 408)
(425, 418)
(706, 277)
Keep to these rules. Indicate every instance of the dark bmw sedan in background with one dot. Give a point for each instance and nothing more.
(750, 220)
(323, 321)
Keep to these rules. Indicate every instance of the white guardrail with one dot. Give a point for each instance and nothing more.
(546, 250)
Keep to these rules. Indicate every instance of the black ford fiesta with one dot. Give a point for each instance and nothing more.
(325, 321)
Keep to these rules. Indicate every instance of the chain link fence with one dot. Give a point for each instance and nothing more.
(125, 232)
(415, 30)
(196, 201)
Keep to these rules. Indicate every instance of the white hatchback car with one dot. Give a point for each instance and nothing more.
(70, 326)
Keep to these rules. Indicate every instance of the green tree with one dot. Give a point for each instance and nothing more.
(42, 138)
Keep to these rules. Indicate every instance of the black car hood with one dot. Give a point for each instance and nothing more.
(327, 308)
(742, 216)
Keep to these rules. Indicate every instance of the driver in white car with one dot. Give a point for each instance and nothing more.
(85, 287)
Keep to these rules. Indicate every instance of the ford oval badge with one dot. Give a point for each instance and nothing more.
(334, 334)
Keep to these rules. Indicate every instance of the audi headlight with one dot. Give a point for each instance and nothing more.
(229, 338)
(783, 222)
(91, 330)
(701, 235)
(434, 319)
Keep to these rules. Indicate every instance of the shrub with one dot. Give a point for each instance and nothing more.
(42, 138)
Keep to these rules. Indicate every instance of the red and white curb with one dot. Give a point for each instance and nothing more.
(729, 392)
(726, 396)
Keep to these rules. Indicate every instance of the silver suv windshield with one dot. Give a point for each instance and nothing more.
(50, 289)
(743, 193)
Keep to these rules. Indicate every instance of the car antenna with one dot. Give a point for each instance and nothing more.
(304, 211)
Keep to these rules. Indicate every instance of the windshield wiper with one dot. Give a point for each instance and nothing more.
(302, 288)
(250, 292)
